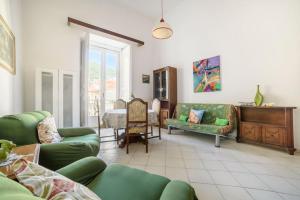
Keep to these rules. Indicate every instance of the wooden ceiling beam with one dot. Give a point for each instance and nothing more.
(96, 28)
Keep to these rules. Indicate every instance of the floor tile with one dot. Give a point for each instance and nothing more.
(193, 163)
(156, 170)
(199, 176)
(234, 166)
(223, 178)
(289, 197)
(278, 184)
(175, 162)
(213, 165)
(263, 195)
(234, 193)
(249, 181)
(176, 173)
(207, 191)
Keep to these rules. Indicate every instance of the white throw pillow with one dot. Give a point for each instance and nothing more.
(47, 131)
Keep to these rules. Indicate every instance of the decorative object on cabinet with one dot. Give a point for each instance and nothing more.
(165, 89)
(146, 78)
(7, 47)
(259, 98)
(269, 126)
(206, 75)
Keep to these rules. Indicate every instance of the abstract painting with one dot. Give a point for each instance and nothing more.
(7, 47)
(206, 75)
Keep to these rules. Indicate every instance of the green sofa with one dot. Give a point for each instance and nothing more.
(110, 183)
(77, 143)
(207, 125)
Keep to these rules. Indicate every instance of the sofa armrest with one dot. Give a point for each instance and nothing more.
(73, 132)
(178, 190)
(58, 155)
(83, 171)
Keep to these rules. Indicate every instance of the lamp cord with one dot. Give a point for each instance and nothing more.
(162, 9)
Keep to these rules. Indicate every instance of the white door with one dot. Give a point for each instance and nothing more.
(103, 81)
(57, 91)
(68, 99)
(46, 87)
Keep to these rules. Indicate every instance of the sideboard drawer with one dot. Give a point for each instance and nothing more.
(274, 135)
(251, 132)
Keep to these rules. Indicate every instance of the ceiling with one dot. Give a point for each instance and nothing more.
(149, 8)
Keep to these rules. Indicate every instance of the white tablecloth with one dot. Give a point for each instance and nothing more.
(117, 118)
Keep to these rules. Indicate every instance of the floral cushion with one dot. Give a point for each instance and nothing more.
(195, 116)
(47, 131)
(50, 185)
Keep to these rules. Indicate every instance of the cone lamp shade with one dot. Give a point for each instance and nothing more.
(163, 29)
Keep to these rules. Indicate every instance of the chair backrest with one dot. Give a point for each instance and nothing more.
(137, 116)
(120, 104)
(22, 128)
(156, 106)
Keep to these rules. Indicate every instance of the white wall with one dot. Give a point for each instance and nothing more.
(50, 43)
(11, 93)
(259, 43)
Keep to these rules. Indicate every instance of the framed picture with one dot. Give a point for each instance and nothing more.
(206, 74)
(7, 47)
(146, 78)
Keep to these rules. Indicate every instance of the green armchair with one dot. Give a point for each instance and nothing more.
(77, 143)
(110, 183)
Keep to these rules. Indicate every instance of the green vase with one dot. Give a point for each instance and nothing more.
(259, 98)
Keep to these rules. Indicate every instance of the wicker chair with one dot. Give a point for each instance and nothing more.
(137, 121)
(156, 109)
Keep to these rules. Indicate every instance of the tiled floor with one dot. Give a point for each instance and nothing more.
(234, 171)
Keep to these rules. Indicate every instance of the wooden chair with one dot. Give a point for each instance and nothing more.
(156, 109)
(118, 104)
(137, 121)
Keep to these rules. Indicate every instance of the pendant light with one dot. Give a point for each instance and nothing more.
(163, 29)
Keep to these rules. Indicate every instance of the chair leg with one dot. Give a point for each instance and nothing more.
(146, 142)
(217, 142)
(169, 129)
(127, 143)
(117, 138)
(151, 130)
(159, 133)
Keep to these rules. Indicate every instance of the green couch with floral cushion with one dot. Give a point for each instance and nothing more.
(77, 143)
(207, 125)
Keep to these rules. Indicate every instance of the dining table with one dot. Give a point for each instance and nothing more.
(117, 118)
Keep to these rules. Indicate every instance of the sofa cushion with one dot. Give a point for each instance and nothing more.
(121, 182)
(195, 116)
(47, 131)
(92, 140)
(48, 184)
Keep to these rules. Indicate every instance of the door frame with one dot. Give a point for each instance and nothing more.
(102, 94)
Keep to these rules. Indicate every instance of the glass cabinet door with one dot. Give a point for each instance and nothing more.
(163, 85)
(157, 93)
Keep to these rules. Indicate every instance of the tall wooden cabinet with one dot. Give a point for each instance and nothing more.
(269, 126)
(165, 89)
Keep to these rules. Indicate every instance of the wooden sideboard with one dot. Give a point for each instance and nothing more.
(269, 126)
